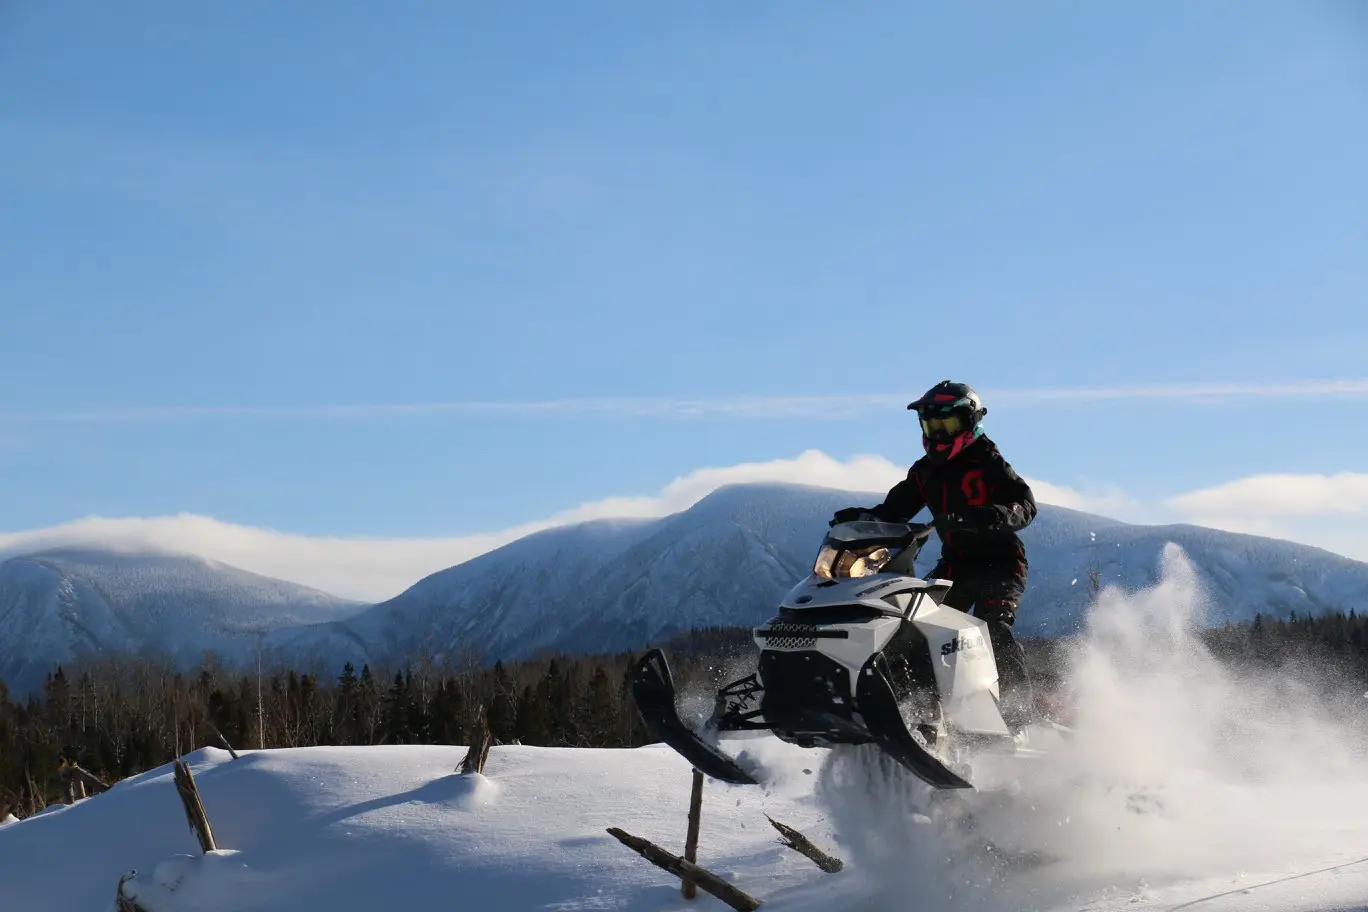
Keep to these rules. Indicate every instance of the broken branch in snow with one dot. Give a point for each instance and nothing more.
(121, 902)
(683, 869)
(689, 888)
(88, 780)
(480, 739)
(79, 782)
(222, 740)
(194, 808)
(803, 846)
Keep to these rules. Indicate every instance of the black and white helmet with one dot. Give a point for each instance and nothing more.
(951, 416)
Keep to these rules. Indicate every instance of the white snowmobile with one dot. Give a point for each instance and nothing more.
(862, 651)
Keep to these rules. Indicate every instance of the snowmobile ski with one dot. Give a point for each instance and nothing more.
(654, 691)
(879, 706)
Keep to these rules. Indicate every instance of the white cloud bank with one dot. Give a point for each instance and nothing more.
(1330, 511)
(1299, 507)
(1266, 496)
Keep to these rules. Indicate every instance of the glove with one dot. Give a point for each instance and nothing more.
(850, 514)
(954, 522)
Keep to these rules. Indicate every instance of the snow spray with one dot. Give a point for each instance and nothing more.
(1180, 766)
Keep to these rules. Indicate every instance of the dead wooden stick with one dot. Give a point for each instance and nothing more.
(803, 846)
(478, 752)
(87, 780)
(686, 870)
(194, 808)
(689, 888)
(222, 740)
(78, 783)
(487, 739)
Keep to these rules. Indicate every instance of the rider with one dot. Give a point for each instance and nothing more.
(979, 504)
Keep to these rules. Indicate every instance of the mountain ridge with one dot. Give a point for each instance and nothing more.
(605, 584)
(61, 605)
(778, 528)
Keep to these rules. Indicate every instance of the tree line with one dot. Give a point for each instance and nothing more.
(121, 716)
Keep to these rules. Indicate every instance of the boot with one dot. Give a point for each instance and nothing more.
(1016, 693)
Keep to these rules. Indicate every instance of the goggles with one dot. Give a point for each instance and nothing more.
(943, 425)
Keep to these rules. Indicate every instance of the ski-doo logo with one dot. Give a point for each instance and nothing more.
(962, 644)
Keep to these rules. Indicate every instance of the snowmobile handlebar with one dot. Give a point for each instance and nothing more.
(920, 532)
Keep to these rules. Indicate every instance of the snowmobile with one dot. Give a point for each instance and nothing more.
(862, 651)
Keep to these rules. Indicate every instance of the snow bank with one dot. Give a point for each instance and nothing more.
(356, 829)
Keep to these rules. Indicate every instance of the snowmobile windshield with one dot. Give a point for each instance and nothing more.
(854, 549)
(867, 532)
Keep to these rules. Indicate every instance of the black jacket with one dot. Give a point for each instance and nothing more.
(982, 488)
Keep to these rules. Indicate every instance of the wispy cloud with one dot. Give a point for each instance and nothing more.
(1111, 501)
(1214, 393)
(735, 406)
(832, 407)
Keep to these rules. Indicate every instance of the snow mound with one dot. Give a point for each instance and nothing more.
(360, 828)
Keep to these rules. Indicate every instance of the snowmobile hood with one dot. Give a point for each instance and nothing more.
(887, 593)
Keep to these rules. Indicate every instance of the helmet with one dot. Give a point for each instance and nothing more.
(951, 418)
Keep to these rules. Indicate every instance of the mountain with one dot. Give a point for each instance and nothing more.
(604, 585)
(612, 585)
(61, 605)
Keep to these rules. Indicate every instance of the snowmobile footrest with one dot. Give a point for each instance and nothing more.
(879, 707)
(654, 692)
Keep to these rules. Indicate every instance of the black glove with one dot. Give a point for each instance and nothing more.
(850, 514)
(954, 522)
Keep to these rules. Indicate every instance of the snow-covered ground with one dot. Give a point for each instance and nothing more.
(1184, 789)
(394, 827)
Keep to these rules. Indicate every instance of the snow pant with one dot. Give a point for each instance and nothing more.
(994, 600)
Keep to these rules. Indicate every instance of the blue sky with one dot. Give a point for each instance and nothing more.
(222, 221)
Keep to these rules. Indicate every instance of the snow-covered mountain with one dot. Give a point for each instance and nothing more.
(604, 585)
(61, 605)
(617, 585)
